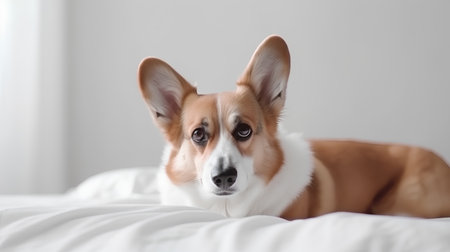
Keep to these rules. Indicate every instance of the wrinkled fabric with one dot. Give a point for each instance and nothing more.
(139, 223)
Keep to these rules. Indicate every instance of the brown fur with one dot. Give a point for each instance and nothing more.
(374, 178)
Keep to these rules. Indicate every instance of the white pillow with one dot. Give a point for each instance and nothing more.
(129, 183)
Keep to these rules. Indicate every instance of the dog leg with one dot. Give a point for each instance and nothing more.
(423, 190)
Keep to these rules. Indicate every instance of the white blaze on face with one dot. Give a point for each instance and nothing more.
(226, 154)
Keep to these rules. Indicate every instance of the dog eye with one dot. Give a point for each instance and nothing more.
(242, 132)
(199, 136)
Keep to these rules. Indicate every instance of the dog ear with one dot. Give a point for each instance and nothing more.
(164, 91)
(267, 74)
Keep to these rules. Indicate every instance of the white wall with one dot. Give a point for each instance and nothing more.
(18, 102)
(375, 70)
(32, 94)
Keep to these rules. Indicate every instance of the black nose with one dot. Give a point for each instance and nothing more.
(224, 179)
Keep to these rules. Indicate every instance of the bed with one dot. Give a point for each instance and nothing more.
(119, 211)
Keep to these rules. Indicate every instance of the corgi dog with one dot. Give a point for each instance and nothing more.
(227, 153)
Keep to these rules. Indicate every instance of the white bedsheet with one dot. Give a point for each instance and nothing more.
(94, 218)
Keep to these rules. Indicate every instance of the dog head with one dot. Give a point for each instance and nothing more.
(220, 141)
